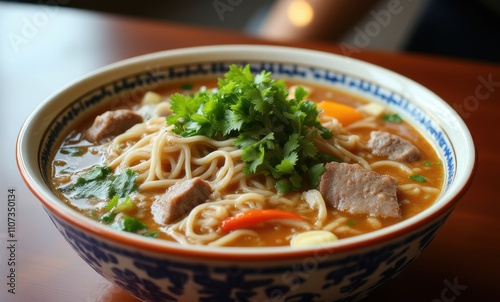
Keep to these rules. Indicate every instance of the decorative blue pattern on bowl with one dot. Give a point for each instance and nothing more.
(154, 278)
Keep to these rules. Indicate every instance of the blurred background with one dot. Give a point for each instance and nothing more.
(457, 28)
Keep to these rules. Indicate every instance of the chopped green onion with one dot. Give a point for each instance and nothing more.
(111, 204)
(417, 178)
(392, 118)
(125, 204)
(430, 164)
(73, 151)
(152, 234)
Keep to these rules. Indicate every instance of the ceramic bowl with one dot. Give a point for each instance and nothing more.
(157, 270)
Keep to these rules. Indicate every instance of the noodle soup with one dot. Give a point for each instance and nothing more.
(131, 178)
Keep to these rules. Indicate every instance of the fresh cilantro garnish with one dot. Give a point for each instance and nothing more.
(124, 222)
(124, 183)
(314, 174)
(130, 224)
(94, 183)
(115, 216)
(392, 118)
(101, 183)
(275, 133)
(417, 178)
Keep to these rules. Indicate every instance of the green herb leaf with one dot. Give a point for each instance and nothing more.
(392, 118)
(417, 178)
(275, 133)
(108, 217)
(314, 174)
(124, 183)
(94, 183)
(284, 185)
(99, 182)
(73, 151)
(124, 205)
(96, 173)
(300, 93)
(130, 224)
(152, 234)
(111, 204)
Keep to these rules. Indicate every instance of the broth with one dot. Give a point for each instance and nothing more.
(77, 155)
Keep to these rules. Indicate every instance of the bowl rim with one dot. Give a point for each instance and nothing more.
(28, 168)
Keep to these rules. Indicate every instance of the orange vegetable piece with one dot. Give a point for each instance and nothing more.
(343, 113)
(252, 218)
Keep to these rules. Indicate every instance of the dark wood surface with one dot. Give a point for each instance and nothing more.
(63, 44)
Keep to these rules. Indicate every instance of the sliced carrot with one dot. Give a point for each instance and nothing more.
(252, 218)
(343, 113)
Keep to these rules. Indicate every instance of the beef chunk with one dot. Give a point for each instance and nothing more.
(180, 199)
(351, 188)
(112, 123)
(393, 147)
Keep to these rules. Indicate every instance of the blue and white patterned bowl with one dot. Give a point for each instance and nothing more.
(156, 270)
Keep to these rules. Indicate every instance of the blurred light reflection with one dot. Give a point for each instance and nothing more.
(300, 13)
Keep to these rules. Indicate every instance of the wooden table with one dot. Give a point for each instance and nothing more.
(44, 48)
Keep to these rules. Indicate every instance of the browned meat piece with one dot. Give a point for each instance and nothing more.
(180, 199)
(393, 147)
(351, 188)
(112, 123)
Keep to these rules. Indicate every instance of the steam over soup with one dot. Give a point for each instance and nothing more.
(248, 161)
